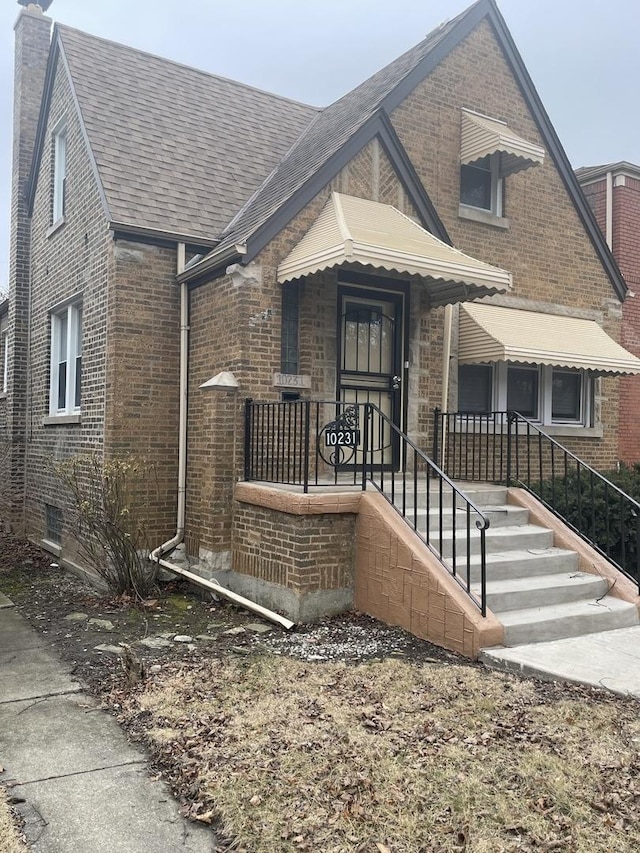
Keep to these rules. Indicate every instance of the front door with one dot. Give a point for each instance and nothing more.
(370, 362)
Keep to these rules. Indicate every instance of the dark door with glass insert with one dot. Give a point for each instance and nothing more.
(370, 364)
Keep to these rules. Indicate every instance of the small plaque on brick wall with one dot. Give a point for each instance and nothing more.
(291, 380)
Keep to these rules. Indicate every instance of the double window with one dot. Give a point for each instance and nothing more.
(59, 172)
(66, 359)
(541, 393)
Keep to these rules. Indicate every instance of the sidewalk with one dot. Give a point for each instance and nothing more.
(86, 789)
(608, 659)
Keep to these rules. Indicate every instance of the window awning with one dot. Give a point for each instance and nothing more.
(357, 231)
(492, 333)
(482, 135)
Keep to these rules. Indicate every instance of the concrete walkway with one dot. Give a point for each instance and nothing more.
(86, 789)
(609, 659)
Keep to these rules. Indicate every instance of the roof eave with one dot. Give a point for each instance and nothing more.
(213, 265)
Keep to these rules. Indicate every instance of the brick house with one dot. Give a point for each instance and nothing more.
(181, 243)
(613, 192)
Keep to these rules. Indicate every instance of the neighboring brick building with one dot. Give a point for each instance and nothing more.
(613, 192)
(169, 226)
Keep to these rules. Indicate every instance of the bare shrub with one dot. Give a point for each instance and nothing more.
(109, 504)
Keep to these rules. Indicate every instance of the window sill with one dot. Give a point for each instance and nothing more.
(554, 430)
(476, 214)
(61, 420)
(3, 395)
(55, 227)
(51, 547)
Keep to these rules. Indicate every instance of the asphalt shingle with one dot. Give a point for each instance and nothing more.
(177, 149)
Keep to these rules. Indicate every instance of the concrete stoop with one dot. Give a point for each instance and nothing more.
(535, 589)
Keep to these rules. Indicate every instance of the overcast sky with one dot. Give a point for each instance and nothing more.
(583, 56)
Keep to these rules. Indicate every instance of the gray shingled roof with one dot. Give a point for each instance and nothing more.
(325, 135)
(176, 149)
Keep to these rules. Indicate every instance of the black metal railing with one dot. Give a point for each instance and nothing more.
(507, 448)
(450, 524)
(326, 443)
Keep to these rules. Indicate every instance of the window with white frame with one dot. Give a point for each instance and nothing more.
(482, 186)
(59, 172)
(4, 355)
(66, 360)
(542, 393)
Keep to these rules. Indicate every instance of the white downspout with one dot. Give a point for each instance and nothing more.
(609, 211)
(170, 544)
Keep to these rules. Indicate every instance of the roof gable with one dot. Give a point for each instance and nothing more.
(312, 159)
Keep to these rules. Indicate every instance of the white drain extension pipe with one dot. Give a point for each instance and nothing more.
(218, 589)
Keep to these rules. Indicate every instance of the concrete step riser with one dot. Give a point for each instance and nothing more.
(600, 619)
(589, 588)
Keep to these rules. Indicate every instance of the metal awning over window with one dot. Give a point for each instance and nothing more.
(357, 231)
(490, 333)
(483, 136)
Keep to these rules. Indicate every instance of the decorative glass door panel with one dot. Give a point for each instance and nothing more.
(370, 364)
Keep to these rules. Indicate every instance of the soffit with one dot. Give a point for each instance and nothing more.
(491, 333)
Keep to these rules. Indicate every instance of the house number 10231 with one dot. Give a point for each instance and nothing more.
(342, 437)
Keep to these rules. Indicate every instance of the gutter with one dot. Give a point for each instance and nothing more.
(214, 260)
(609, 211)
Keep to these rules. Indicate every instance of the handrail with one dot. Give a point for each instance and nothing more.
(556, 487)
(508, 448)
(292, 442)
(420, 466)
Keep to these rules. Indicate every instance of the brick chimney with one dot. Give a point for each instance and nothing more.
(32, 40)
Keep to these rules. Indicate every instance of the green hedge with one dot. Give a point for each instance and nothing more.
(598, 511)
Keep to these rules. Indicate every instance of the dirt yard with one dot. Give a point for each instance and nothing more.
(345, 737)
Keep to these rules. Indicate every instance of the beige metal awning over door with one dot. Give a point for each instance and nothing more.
(357, 231)
(482, 136)
(490, 333)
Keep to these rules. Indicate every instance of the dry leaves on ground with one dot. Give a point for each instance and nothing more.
(283, 755)
(10, 836)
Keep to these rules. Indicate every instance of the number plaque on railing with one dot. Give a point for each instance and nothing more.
(338, 440)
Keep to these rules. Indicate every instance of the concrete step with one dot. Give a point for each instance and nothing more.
(499, 516)
(541, 590)
(524, 563)
(572, 619)
(481, 494)
(497, 540)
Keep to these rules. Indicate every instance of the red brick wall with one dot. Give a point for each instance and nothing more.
(626, 250)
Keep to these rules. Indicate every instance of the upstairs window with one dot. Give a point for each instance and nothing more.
(66, 360)
(59, 173)
(481, 185)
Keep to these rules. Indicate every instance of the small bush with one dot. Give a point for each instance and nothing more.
(599, 511)
(109, 508)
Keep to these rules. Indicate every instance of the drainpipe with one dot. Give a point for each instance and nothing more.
(609, 212)
(170, 544)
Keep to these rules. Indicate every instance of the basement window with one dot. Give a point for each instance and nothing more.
(53, 519)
